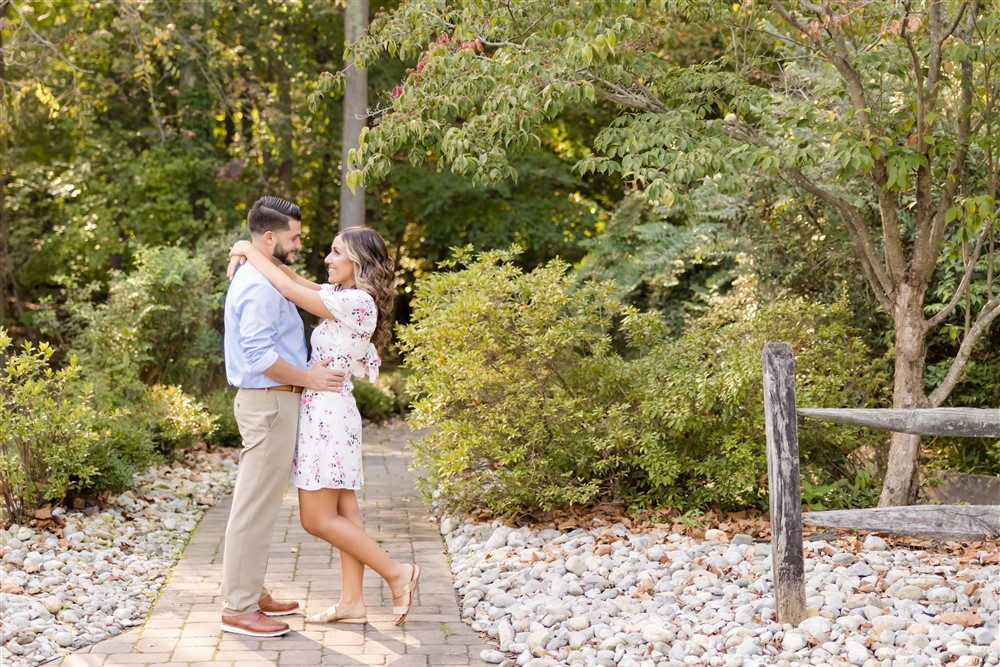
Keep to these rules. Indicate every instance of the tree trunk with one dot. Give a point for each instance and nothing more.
(901, 479)
(352, 205)
(7, 272)
(285, 172)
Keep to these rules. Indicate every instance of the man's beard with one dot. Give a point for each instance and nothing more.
(280, 254)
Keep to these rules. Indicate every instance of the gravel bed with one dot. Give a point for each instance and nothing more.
(602, 596)
(94, 574)
(609, 597)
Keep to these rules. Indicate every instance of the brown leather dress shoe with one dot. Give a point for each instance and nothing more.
(254, 624)
(272, 607)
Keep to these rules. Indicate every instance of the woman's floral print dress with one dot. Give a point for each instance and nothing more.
(328, 450)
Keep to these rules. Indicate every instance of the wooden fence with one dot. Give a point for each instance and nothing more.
(785, 487)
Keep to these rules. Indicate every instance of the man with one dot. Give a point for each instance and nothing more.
(266, 359)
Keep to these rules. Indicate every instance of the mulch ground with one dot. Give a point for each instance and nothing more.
(750, 522)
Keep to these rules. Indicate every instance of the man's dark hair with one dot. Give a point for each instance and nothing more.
(270, 214)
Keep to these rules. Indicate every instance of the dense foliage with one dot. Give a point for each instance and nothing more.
(713, 161)
(658, 259)
(535, 406)
(135, 125)
(881, 115)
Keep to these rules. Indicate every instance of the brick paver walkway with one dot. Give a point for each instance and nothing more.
(183, 628)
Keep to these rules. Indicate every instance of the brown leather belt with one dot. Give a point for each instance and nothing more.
(285, 387)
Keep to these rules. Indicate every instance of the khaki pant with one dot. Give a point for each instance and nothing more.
(268, 422)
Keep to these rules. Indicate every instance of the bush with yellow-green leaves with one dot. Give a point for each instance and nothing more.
(545, 394)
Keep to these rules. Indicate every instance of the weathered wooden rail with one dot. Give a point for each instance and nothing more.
(785, 490)
(968, 422)
(959, 521)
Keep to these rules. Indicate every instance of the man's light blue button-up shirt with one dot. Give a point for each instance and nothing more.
(260, 326)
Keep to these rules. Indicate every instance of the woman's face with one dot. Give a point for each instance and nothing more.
(340, 270)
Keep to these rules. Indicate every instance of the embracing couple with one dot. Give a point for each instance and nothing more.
(299, 420)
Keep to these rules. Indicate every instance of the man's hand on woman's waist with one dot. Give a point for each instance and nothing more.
(323, 378)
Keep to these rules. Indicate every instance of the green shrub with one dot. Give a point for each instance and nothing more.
(219, 403)
(533, 408)
(46, 430)
(394, 380)
(124, 447)
(155, 331)
(158, 326)
(700, 399)
(176, 419)
(977, 456)
(496, 362)
(375, 401)
(862, 491)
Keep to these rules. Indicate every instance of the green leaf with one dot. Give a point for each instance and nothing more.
(354, 178)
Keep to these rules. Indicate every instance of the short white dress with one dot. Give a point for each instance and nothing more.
(328, 449)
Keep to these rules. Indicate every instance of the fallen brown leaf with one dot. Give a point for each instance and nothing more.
(10, 587)
(959, 618)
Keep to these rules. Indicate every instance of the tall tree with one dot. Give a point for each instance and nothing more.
(352, 199)
(7, 270)
(882, 112)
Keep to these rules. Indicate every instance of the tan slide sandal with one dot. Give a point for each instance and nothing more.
(410, 588)
(331, 616)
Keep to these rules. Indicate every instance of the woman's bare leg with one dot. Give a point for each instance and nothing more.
(326, 514)
(352, 600)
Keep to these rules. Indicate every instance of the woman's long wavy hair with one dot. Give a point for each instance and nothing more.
(374, 272)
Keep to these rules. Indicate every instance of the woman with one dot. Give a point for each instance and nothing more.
(356, 307)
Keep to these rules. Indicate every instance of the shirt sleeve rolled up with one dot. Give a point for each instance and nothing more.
(258, 332)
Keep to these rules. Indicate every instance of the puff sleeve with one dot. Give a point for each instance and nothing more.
(354, 310)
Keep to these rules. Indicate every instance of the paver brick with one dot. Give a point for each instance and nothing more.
(203, 654)
(300, 658)
(83, 660)
(156, 644)
(148, 658)
(244, 656)
(117, 645)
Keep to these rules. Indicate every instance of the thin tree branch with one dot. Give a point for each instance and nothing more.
(926, 101)
(966, 279)
(950, 30)
(926, 263)
(881, 283)
(621, 95)
(986, 316)
(44, 42)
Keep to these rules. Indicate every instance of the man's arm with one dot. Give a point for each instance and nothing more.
(235, 261)
(257, 336)
(319, 377)
(303, 293)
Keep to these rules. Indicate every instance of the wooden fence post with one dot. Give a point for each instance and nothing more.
(784, 484)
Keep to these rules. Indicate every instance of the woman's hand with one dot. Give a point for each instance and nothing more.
(237, 255)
